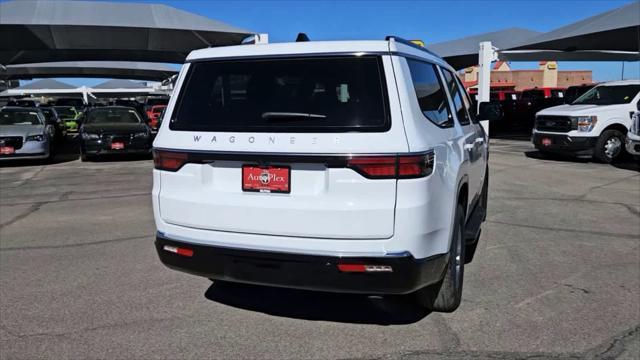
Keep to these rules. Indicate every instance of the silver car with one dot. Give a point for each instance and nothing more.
(24, 134)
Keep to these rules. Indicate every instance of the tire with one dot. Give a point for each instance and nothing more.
(446, 295)
(609, 146)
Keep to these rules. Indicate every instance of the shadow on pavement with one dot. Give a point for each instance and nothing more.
(312, 305)
(625, 161)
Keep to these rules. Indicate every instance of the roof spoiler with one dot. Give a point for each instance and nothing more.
(411, 43)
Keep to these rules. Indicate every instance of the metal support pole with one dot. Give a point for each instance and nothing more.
(85, 98)
(486, 55)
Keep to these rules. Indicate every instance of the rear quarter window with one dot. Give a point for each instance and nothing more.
(430, 93)
(328, 94)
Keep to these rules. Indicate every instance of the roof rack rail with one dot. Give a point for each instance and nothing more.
(410, 43)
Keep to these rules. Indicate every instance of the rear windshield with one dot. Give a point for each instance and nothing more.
(110, 115)
(330, 94)
(48, 114)
(65, 111)
(19, 117)
(155, 101)
(532, 94)
(608, 95)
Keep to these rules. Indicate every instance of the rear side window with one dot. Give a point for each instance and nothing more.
(328, 94)
(429, 92)
(460, 102)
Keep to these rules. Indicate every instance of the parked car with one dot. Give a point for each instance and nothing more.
(73, 102)
(51, 116)
(69, 116)
(23, 103)
(354, 166)
(633, 135)
(574, 92)
(24, 134)
(595, 124)
(153, 114)
(533, 100)
(113, 130)
(154, 101)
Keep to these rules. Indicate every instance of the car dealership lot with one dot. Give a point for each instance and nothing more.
(557, 273)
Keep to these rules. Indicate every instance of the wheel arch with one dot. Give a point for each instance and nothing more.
(616, 126)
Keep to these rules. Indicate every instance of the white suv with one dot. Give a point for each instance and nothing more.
(347, 166)
(595, 124)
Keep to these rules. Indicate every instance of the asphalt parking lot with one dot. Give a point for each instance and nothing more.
(557, 274)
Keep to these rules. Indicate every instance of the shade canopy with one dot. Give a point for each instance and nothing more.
(614, 30)
(45, 84)
(63, 30)
(611, 36)
(91, 69)
(120, 84)
(463, 52)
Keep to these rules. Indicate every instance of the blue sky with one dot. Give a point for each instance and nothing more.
(431, 21)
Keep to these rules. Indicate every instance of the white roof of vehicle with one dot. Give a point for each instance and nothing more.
(314, 48)
(621, 82)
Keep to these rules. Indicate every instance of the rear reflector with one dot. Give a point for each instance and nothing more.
(393, 167)
(364, 268)
(169, 160)
(179, 250)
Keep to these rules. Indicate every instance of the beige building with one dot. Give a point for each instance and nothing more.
(547, 75)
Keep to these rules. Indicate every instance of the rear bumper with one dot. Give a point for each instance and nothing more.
(101, 148)
(303, 271)
(29, 150)
(24, 156)
(579, 146)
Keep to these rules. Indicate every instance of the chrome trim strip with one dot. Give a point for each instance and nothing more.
(289, 154)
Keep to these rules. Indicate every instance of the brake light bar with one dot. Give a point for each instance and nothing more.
(394, 166)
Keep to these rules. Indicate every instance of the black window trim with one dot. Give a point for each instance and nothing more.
(386, 107)
(473, 118)
(447, 125)
(453, 75)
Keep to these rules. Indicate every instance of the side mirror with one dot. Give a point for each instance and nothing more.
(490, 111)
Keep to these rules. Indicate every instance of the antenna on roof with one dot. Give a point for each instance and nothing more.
(302, 37)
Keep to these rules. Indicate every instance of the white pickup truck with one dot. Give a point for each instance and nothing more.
(594, 125)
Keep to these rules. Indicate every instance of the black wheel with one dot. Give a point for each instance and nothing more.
(609, 146)
(445, 296)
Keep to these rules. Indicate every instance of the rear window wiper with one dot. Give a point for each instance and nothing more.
(291, 115)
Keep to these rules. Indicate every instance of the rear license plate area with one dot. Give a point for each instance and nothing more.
(546, 141)
(117, 146)
(7, 150)
(267, 179)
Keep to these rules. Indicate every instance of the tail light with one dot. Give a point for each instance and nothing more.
(393, 167)
(169, 160)
(362, 268)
